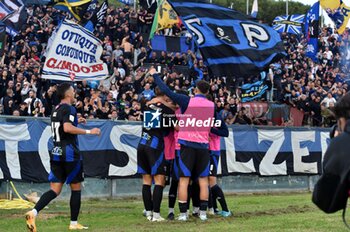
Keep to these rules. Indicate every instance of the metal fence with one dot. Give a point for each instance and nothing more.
(131, 187)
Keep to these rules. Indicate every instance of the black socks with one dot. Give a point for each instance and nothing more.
(75, 202)
(45, 199)
(157, 198)
(147, 197)
(173, 192)
(218, 194)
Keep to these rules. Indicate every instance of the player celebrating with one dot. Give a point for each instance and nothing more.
(65, 159)
(194, 156)
(151, 161)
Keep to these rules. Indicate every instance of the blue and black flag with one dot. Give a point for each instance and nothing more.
(180, 44)
(14, 15)
(232, 44)
(250, 92)
(97, 17)
(312, 31)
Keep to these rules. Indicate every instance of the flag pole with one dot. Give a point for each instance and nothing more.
(322, 18)
(287, 7)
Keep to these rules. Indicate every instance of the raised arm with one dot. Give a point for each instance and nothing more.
(180, 99)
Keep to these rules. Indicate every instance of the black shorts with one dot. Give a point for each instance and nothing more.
(173, 170)
(193, 162)
(175, 167)
(69, 172)
(214, 162)
(150, 161)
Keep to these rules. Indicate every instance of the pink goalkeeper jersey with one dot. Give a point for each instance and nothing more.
(177, 145)
(199, 110)
(169, 146)
(214, 142)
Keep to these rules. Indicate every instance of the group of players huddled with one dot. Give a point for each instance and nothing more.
(187, 149)
(189, 152)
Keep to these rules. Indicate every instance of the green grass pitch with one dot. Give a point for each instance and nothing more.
(264, 212)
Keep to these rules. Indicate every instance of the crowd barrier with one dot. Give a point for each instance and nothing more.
(266, 151)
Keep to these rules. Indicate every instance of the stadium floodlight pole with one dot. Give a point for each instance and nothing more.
(247, 7)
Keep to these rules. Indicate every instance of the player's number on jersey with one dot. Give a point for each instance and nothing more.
(55, 127)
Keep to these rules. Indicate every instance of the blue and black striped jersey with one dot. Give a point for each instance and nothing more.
(66, 146)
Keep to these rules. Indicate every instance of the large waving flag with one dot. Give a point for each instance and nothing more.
(292, 24)
(254, 9)
(13, 14)
(77, 8)
(311, 30)
(5, 12)
(98, 17)
(250, 92)
(74, 54)
(230, 43)
(338, 12)
(165, 17)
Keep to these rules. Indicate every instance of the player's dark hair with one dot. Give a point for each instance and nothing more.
(203, 86)
(158, 92)
(342, 107)
(62, 89)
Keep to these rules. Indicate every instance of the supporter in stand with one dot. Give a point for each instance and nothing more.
(296, 80)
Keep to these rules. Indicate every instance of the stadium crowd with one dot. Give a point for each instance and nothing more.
(312, 87)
